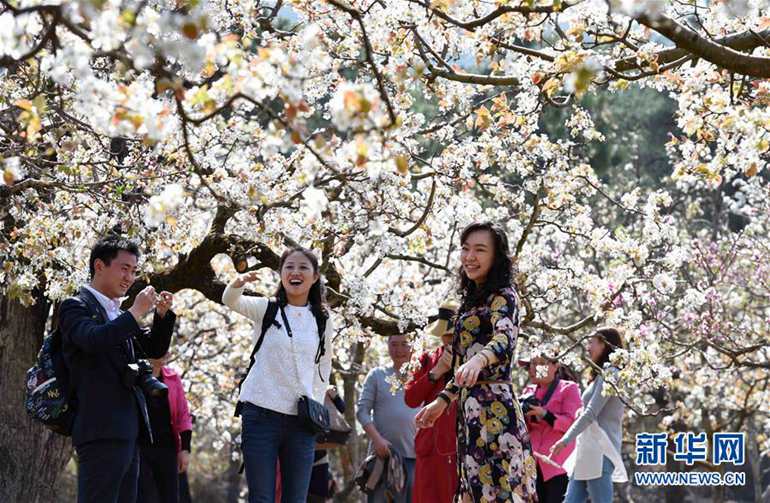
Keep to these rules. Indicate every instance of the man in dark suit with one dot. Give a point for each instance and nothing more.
(99, 342)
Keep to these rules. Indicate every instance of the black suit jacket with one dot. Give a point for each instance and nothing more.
(96, 351)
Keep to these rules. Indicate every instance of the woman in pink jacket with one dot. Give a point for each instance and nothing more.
(550, 405)
(162, 461)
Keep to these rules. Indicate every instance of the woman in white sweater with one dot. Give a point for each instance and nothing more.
(293, 360)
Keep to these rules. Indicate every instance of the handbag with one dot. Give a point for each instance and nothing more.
(339, 428)
(311, 414)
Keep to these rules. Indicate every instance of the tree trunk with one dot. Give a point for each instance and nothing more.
(31, 457)
(754, 459)
(350, 456)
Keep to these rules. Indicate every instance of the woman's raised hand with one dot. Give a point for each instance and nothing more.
(245, 278)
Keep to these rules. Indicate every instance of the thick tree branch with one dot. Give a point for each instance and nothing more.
(710, 50)
(743, 42)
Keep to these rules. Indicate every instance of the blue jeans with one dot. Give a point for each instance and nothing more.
(599, 490)
(268, 436)
(405, 496)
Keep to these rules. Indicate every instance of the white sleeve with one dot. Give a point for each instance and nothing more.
(325, 365)
(253, 308)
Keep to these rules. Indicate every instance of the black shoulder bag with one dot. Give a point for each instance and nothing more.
(312, 415)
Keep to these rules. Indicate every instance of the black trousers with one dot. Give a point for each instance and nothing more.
(552, 490)
(184, 489)
(108, 471)
(158, 477)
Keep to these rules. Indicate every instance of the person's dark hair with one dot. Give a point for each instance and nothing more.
(612, 341)
(317, 295)
(566, 373)
(107, 248)
(500, 275)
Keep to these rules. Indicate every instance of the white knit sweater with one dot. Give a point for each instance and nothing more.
(284, 369)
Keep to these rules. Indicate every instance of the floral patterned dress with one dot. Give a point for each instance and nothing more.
(494, 455)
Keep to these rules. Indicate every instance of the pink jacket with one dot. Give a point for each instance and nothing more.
(181, 420)
(564, 404)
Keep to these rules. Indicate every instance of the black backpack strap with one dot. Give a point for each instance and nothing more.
(268, 320)
(61, 370)
(93, 304)
(549, 392)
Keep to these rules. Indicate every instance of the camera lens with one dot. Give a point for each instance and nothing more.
(149, 385)
(152, 386)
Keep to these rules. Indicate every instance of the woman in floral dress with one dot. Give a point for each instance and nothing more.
(494, 455)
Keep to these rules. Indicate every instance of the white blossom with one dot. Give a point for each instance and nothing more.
(664, 283)
(164, 204)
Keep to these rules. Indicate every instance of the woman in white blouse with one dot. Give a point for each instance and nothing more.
(289, 364)
(596, 461)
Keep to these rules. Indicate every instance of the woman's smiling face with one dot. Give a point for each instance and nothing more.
(297, 275)
(478, 255)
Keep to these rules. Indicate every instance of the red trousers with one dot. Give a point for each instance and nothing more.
(435, 479)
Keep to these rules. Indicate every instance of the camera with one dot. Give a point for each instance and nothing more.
(140, 374)
(527, 403)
